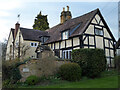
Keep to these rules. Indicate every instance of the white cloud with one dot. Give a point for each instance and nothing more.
(8, 5)
(3, 13)
(4, 30)
(70, 0)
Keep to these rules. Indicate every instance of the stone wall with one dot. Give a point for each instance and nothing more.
(41, 67)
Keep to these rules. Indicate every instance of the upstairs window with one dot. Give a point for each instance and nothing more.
(65, 35)
(43, 39)
(33, 44)
(98, 32)
(10, 49)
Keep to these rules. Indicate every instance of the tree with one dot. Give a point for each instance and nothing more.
(4, 47)
(41, 22)
(23, 49)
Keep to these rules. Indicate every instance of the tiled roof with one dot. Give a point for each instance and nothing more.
(31, 34)
(12, 30)
(55, 32)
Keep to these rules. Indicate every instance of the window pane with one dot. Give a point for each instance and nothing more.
(31, 44)
(70, 55)
(65, 35)
(66, 54)
(98, 32)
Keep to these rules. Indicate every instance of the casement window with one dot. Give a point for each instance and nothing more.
(10, 49)
(98, 31)
(33, 44)
(43, 39)
(67, 54)
(65, 35)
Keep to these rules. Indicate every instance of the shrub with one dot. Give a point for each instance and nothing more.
(7, 84)
(70, 72)
(32, 80)
(117, 62)
(92, 61)
(11, 72)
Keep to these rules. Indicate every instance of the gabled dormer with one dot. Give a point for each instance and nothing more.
(65, 34)
(43, 39)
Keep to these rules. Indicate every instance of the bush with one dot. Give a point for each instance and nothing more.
(10, 72)
(70, 72)
(92, 61)
(8, 84)
(117, 62)
(5, 83)
(32, 80)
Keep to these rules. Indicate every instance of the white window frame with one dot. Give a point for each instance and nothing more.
(98, 31)
(65, 54)
(33, 44)
(65, 35)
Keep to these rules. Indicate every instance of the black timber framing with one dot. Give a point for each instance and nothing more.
(94, 37)
(65, 43)
(54, 45)
(59, 45)
(96, 21)
(99, 21)
(88, 42)
(72, 43)
(104, 38)
(81, 39)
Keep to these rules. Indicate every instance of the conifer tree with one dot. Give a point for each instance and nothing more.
(41, 22)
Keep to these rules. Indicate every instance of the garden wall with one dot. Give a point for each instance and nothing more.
(40, 67)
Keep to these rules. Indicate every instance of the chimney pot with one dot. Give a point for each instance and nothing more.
(63, 9)
(17, 25)
(67, 8)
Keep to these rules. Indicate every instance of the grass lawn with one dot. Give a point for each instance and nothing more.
(108, 80)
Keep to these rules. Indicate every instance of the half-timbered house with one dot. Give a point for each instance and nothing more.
(87, 31)
(118, 47)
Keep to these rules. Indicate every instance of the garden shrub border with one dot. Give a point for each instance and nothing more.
(92, 61)
(70, 72)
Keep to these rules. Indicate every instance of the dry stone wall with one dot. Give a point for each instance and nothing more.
(41, 67)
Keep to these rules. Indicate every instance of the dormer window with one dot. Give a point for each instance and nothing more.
(43, 39)
(65, 35)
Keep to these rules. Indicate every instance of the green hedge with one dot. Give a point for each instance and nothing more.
(117, 62)
(32, 80)
(11, 72)
(92, 61)
(70, 72)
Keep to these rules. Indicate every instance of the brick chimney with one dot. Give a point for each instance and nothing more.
(65, 15)
(17, 25)
(68, 14)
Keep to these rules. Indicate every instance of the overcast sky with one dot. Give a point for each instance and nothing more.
(28, 10)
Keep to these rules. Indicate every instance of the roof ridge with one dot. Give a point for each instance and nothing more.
(73, 19)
